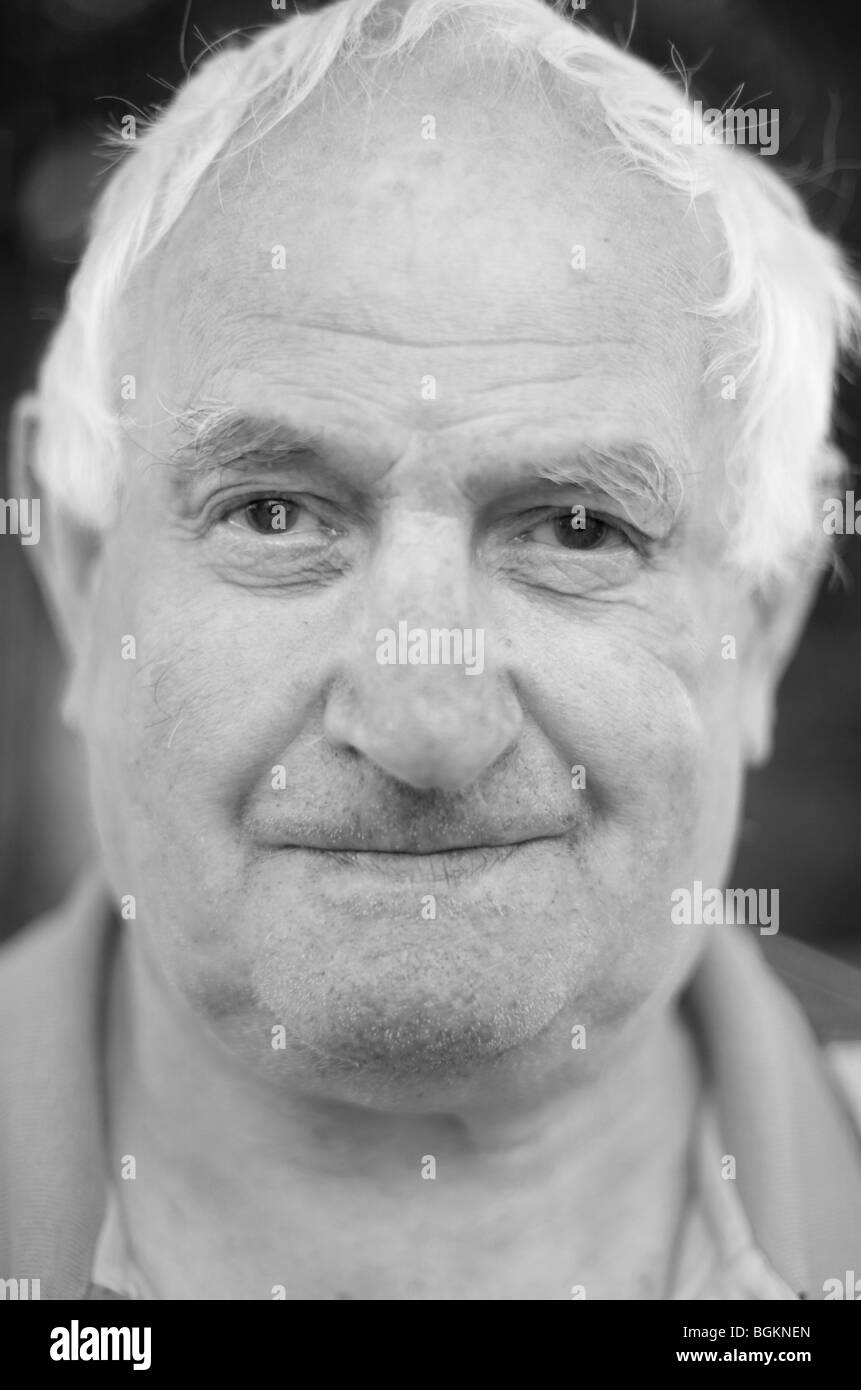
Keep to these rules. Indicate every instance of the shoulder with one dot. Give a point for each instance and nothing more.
(52, 985)
(827, 987)
(828, 990)
(50, 962)
(53, 980)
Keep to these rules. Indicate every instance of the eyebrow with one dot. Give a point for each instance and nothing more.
(635, 475)
(210, 438)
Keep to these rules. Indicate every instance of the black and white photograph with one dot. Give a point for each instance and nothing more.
(430, 717)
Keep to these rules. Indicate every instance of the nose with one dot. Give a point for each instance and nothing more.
(423, 690)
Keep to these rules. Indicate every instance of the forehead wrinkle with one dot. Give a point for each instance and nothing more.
(233, 289)
(233, 302)
(600, 337)
(214, 324)
(325, 139)
(292, 355)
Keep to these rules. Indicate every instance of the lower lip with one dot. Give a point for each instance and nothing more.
(442, 867)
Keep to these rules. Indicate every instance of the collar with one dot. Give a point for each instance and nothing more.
(780, 1115)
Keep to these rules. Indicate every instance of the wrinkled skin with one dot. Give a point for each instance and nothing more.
(405, 259)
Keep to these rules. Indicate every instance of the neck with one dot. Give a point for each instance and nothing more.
(215, 1140)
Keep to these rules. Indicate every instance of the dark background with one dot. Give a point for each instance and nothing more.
(70, 66)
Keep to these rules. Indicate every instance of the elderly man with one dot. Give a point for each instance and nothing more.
(432, 457)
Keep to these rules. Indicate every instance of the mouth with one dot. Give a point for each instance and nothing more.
(446, 865)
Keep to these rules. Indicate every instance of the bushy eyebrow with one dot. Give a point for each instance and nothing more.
(208, 438)
(636, 476)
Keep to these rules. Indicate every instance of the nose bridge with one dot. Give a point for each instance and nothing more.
(423, 572)
(423, 692)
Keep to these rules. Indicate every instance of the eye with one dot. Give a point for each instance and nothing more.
(576, 528)
(274, 516)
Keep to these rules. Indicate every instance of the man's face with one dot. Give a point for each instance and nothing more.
(427, 899)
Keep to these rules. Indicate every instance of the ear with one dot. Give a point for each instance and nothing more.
(63, 559)
(779, 618)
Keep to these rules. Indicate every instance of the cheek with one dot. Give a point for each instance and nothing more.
(648, 709)
(183, 724)
(625, 702)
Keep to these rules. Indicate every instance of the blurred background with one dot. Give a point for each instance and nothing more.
(72, 66)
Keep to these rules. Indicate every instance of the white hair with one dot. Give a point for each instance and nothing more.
(787, 309)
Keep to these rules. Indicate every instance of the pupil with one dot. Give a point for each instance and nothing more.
(580, 534)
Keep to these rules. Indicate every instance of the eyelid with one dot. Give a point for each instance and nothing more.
(550, 513)
(228, 507)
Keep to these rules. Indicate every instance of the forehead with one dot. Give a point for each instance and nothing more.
(423, 223)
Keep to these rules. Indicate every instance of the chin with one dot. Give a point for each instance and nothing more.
(416, 1051)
